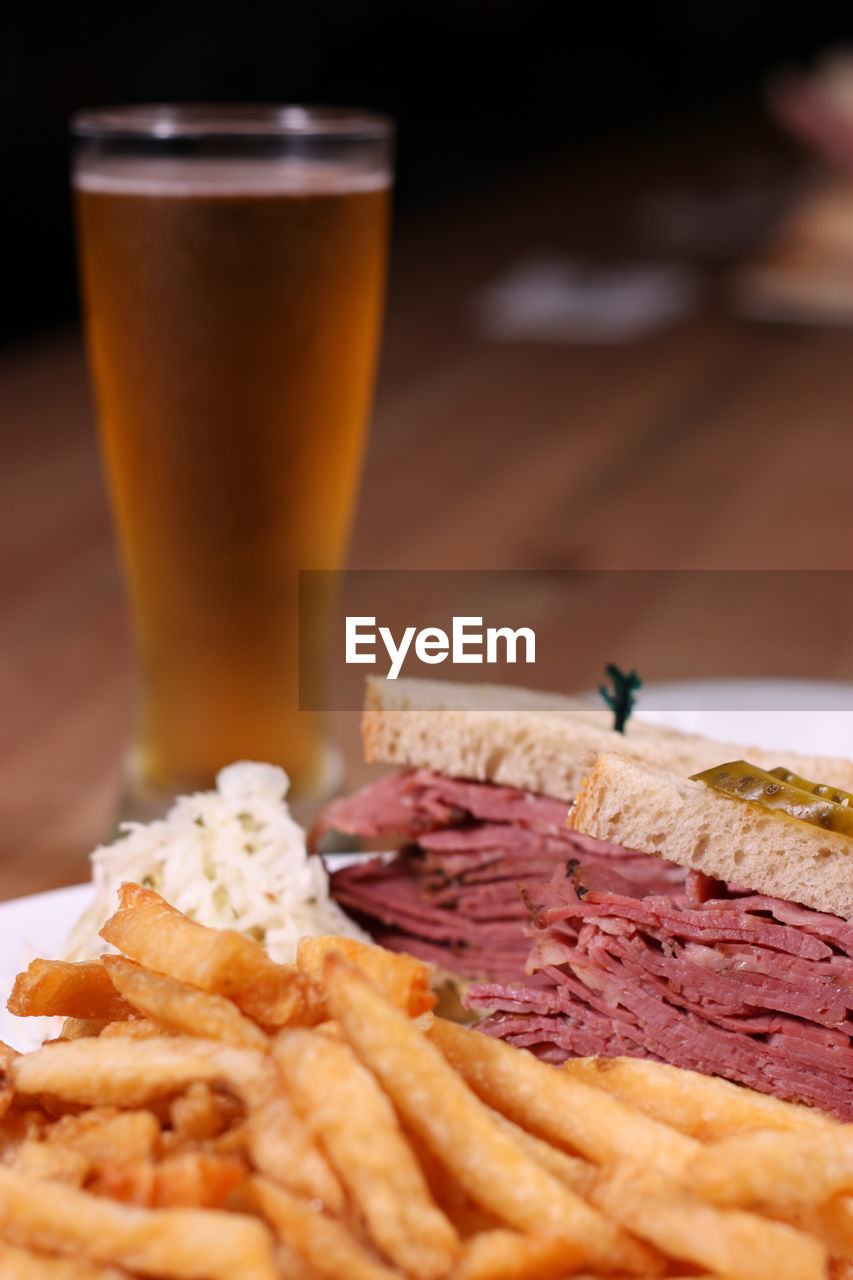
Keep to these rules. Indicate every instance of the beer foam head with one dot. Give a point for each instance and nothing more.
(203, 175)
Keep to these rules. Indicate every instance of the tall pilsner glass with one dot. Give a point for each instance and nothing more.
(233, 268)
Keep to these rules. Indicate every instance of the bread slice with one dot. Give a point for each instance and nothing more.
(655, 811)
(538, 741)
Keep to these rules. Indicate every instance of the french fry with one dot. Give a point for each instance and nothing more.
(79, 1028)
(105, 1134)
(18, 1126)
(705, 1107)
(435, 1104)
(184, 1244)
(56, 987)
(467, 1217)
(775, 1169)
(23, 1264)
(233, 1141)
(291, 1264)
(832, 1222)
(578, 1174)
(186, 1179)
(136, 1073)
(282, 1148)
(403, 977)
(354, 1121)
(509, 1255)
(730, 1242)
(182, 1008)
(127, 1073)
(278, 1141)
(135, 1029)
(59, 1164)
(195, 1178)
(323, 1242)
(557, 1107)
(201, 1113)
(147, 929)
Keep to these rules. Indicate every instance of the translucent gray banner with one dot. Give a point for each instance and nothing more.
(771, 640)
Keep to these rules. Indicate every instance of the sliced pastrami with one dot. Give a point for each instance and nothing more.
(415, 800)
(739, 985)
(469, 851)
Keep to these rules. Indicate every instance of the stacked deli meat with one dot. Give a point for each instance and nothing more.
(584, 941)
(455, 893)
(746, 983)
(729, 983)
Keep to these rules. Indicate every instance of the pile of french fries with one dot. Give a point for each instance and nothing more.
(207, 1114)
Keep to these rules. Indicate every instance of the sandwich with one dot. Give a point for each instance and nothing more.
(476, 813)
(742, 969)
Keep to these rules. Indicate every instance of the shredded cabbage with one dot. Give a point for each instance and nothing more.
(230, 858)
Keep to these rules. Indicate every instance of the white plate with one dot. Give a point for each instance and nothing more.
(810, 716)
(807, 715)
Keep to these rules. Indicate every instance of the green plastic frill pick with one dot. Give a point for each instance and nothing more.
(621, 697)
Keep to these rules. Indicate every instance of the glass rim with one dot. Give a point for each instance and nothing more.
(200, 120)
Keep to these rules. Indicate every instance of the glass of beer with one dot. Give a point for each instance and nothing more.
(232, 263)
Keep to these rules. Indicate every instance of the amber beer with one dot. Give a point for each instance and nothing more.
(233, 310)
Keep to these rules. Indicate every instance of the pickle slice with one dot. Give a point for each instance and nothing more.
(822, 789)
(782, 794)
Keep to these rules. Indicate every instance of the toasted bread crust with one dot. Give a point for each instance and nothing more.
(538, 742)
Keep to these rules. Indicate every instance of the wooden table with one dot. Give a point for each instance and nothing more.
(713, 444)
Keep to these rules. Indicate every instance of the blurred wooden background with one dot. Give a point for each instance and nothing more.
(715, 443)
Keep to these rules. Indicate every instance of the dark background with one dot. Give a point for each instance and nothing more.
(476, 86)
